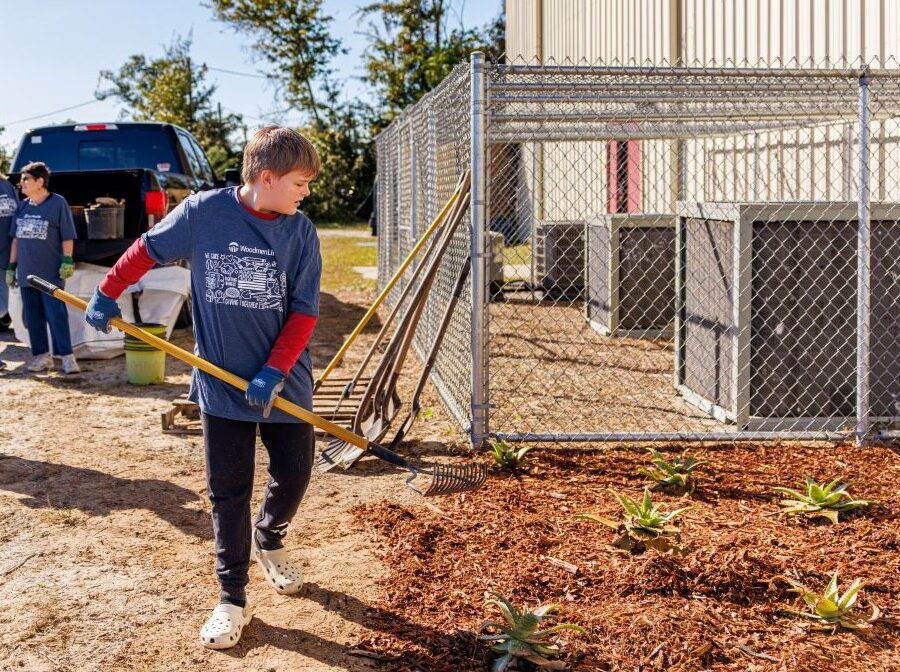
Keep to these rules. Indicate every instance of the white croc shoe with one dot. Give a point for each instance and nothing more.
(223, 628)
(278, 569)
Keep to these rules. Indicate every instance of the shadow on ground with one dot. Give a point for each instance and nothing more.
(259, 633)
(48, 485)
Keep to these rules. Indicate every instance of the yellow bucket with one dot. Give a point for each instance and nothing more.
(144, 364)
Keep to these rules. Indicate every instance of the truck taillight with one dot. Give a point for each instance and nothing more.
(155, 203)
(96, 127)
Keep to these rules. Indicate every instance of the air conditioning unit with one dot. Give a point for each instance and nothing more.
(559, 258)
(765, 313)
(630, 274)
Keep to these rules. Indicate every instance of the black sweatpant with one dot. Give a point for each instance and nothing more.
(230, 447)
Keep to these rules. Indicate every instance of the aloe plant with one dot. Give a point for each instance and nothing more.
(519, 635)
(831, 609)
(645, 524)
(819, 500)
(678, 473)
(509, 457)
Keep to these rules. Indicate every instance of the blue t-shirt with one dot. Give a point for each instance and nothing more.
(9, 201)
(40, 230)
(247, 275)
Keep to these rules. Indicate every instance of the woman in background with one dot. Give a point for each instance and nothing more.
(43, 237)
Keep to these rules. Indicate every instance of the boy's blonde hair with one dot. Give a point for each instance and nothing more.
(280, 150)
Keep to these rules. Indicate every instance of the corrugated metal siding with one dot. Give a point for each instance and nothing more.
(823, 32)
(574, 180)
(521, 30)
(720, 32)
(597, 30)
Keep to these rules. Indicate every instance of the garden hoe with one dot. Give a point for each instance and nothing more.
(380, 402)
(461, 192)
(442, 479)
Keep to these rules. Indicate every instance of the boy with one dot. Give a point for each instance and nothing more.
(43, 235)
(255, 270)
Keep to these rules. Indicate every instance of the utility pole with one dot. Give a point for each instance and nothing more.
(190, 76)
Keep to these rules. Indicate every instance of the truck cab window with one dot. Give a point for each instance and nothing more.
(192, 159)
(206, 169)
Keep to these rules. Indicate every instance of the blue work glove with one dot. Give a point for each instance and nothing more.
(66, 268)
(263, 389)
(11, 274)
(100, 310)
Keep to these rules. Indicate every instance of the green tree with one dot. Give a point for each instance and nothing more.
(5, 158)
(348, 163)
(414, 48)
(293, 37)
(174, 89)
(495, 35)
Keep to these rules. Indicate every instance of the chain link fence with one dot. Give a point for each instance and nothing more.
(660, 253)
(420, 157)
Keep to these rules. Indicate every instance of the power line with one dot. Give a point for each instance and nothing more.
(95, 100)
(268, 119)
(235, 72)
(47, 114)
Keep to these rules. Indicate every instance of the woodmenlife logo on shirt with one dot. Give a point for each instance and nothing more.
(32, 226)
(7, 206)
(243, 279)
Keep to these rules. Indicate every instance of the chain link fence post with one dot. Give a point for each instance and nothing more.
(863, 279)
(478, 207)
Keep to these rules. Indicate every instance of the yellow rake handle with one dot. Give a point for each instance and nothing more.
(202, 364)
(438, 220)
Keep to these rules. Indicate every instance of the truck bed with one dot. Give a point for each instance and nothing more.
(83, 188)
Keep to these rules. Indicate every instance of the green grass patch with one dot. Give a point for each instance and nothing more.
(518, 255)
(354, 225)
(340, 253)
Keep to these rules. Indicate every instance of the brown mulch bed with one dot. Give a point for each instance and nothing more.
(717, 607)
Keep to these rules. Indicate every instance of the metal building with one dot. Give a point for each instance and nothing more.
(764, 133)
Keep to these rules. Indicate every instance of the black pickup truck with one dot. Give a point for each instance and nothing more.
(152, 166)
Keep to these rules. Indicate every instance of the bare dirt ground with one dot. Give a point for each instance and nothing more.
(106, 555)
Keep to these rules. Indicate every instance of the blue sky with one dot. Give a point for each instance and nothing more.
(55, 50)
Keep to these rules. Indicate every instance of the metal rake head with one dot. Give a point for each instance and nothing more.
(442, 479)
(448, 479)
(338, 453)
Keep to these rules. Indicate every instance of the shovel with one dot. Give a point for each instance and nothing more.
(442, 479)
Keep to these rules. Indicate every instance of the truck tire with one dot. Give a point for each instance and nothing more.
(185, 315)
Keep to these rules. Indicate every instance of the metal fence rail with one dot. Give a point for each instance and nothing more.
(660, 253)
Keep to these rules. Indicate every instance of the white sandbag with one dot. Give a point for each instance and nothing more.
(162, 293)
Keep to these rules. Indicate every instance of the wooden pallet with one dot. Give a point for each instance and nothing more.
(183, 418)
